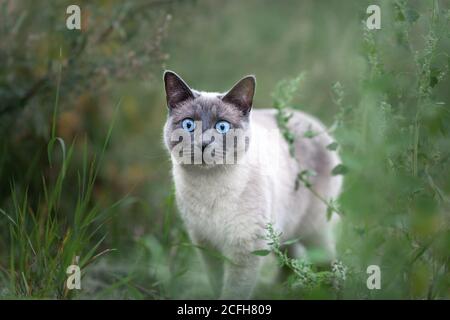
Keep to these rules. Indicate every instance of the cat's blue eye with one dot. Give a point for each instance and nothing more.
(188, 124)
(222, 126)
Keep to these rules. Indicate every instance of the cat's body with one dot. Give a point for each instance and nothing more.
(227, 207)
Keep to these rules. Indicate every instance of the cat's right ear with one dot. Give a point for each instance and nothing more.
(177, 90)
(241, 95)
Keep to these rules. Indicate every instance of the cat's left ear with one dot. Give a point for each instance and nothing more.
(177, 90)
(241, 95)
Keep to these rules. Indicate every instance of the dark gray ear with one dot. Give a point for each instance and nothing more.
(241, 95)
(176, 89)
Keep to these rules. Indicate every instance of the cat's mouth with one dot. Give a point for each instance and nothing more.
(203, 165)
(208, 156)
(206, 160)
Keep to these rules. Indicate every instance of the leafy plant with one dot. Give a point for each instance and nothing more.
(303, 274)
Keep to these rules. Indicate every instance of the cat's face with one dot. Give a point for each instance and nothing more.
(207, 129)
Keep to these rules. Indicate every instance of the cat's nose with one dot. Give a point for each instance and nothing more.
(206, 142)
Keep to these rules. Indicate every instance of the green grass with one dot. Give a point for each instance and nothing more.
(43, 240)
(80, 177)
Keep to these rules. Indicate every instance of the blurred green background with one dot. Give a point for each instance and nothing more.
(83, 171)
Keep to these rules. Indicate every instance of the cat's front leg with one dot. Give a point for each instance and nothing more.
(241, 272)
(212, 262)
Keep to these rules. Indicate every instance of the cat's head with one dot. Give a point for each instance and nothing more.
(207, 129)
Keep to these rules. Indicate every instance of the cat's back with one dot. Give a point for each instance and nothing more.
(302, 125)
(300, 121)
(311, 138)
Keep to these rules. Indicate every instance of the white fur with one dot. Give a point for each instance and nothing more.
(228, 207)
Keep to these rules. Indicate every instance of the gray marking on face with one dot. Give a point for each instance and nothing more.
(207, 109)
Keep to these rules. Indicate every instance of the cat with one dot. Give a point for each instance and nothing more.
(227, 204)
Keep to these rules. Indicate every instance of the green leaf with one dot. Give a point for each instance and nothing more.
(310, 134)
(261, 253)
(339, 169)
(331, 207)
(411, 15)
(434, 77)
(304, 177)
(329, 212)
(292, 241)
(333, 146)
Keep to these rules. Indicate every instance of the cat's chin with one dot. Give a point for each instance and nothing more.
(202, 166)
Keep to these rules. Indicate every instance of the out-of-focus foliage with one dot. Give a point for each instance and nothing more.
(48, 70)
(383, 93)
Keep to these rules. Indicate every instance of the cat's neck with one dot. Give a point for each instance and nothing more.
(206, 186)
(201, 171)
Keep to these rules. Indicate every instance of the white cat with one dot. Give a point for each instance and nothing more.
(227, 206)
